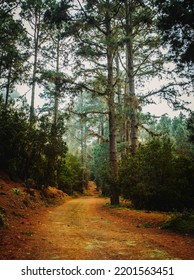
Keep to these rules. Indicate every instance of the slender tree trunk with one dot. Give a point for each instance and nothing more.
(120, 101)
(36, 47)
(56, 108)
(112, 136)
(119, 91)
(112, 119)
(130, 80)
(132, 98)
(127, 122)
(114, 193)
(57, 89)
(8, 88)
(32, 111)
(83, 144)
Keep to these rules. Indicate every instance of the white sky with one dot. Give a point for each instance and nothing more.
(161, 107)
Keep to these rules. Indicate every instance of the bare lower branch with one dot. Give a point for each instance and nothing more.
(162, 89)
(93, 133)
(83, 86)
(84, 114)
(152, 133)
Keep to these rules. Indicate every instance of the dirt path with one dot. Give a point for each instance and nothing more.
(84, 228)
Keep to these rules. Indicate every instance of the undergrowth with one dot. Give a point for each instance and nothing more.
(181, 222)
(2, 219)
(16, 191)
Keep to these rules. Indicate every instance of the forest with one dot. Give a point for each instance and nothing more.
(76, 78)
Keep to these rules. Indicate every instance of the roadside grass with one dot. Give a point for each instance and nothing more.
(159, 255)
(124, 203)
(16, 191)
(180, 222)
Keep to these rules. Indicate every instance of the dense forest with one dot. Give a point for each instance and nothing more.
(88, 68)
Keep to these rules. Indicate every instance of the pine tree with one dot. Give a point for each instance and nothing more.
(32, 12)
(175, 20)
(13, 49)
(97, 44)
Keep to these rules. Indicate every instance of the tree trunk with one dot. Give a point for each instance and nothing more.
(36, 47)
(120, 102)
(114, 193)
(57, 87)
(8, 88)
(130, 80)
(83, 144)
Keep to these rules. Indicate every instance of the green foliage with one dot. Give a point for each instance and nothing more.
(148, 225)
(190, 126)
(181, 222)
(178, 129)
(157, 178)
(70, 179)
(13, 129)
(58, 13)
(30, 152)
(100, 167)
(176, 24)
(13, 47)
(2, 219)
(16, 191)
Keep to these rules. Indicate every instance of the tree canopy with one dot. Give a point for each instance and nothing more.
(177, 26)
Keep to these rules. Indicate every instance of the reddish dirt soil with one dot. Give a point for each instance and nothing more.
(86, 228)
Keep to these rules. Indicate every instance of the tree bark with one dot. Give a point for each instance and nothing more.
(131, 98)
(120, 101)
(36, 43)
(57, 87)
(8, 88)
(114, 193)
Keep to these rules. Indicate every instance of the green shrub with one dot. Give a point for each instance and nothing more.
(70, 179)
(28, 151)
(180, 222)
(157, 178)
(16, 191)
(99, 166)
(2, 219)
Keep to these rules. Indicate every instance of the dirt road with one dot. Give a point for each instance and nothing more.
(85, 228)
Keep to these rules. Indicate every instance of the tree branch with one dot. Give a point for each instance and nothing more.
(93, 133)
(144, 60)
(162, 89)
(152, 133)
(84, 114)
(83, 86)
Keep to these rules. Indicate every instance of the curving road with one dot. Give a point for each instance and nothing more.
(84, 228)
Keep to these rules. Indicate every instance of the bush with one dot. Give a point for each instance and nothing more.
(99, 167)
(16, 191)
(70, 179)
(2, 219)
(181, 222)
(156, 178)
(28, 151)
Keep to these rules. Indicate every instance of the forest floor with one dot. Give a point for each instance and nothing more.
(86, 228)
